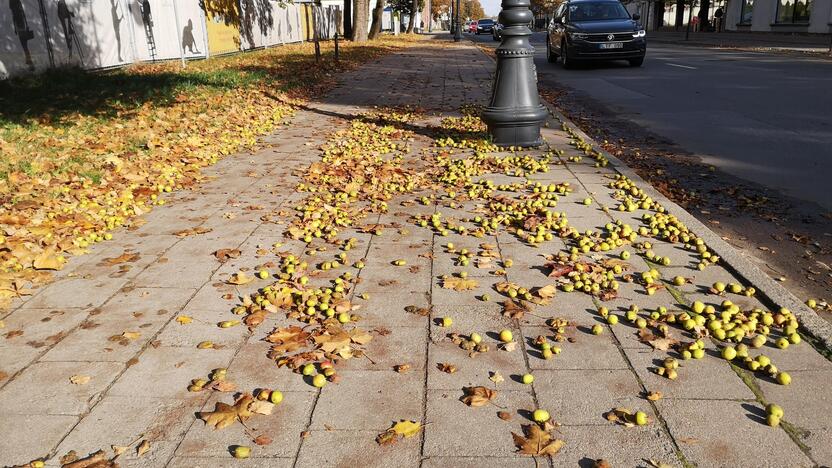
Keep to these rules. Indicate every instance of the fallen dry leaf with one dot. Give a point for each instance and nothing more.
(80, 379)
(654, 396)
(123, 258)
(446, 367)
(223, 255)
(240, 278)
(496, 377)
(478, 396)
(536, 442)
(225, 415)
(142, 448)
(459, 284)
(660, 343)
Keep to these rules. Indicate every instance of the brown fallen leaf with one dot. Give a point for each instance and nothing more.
(422, 311)
(223, 255)
(601, 463)
(123, 258)
(546, 292)
(478, 396)
(240, 278)
(504, 415)
(142, 448)
(536, 442)
(654, 396)
(660, 343)
(446, 367)
(94, 460)
(262, 439)
(225, 415)
(80, 379)
(401, 368)
(131, 335)
(515, 310)
(192, 231)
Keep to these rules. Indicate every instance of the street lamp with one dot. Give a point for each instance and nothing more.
(458, 31)
(514, 115)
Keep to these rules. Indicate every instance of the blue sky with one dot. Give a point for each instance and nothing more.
(491, 7)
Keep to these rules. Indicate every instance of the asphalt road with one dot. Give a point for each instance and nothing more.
(765, 118)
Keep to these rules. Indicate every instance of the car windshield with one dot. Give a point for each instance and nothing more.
(597, 11)
(485, 21)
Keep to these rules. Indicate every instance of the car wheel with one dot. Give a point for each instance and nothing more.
(550, 56)
(636, 62)
(565, 60)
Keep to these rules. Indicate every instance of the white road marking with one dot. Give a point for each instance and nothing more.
(681, 66)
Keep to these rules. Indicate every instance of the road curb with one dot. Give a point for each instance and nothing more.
(745, 48)
(773, 293)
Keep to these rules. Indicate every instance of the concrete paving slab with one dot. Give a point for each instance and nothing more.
(44, 388)
(369, 400)
(26, 437)
(691, 422)
(461, 431)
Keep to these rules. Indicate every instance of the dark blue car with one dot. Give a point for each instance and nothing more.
(595, 30)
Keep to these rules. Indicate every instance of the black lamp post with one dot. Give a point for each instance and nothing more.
(458, 30)
(514, 115)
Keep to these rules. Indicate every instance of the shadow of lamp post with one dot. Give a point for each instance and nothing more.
(514, 115)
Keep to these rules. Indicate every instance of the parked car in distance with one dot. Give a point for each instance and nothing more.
(472, 27)
(595, 30)
(484, 26)
(497, 31)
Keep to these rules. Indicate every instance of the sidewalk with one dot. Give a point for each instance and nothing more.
(815, 44)
(105, 355)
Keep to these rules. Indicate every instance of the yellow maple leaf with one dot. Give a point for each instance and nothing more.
(49, 260)
(184, 319)
(240, 278)
(407, 428)
(459, 284)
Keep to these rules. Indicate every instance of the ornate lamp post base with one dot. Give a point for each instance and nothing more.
(514, 115)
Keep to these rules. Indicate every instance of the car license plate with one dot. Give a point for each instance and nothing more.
(612, 45)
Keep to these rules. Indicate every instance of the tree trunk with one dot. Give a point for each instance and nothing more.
(348, 18)
(680, 13)
(361, 18)
(412, 23)
(704, 25)
(378, 13)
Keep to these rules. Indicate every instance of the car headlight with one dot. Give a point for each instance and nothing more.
(640, 33)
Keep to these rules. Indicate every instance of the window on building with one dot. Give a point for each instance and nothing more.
(747, 12)
(794, 11)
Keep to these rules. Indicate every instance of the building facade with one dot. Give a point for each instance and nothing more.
(788, 16)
